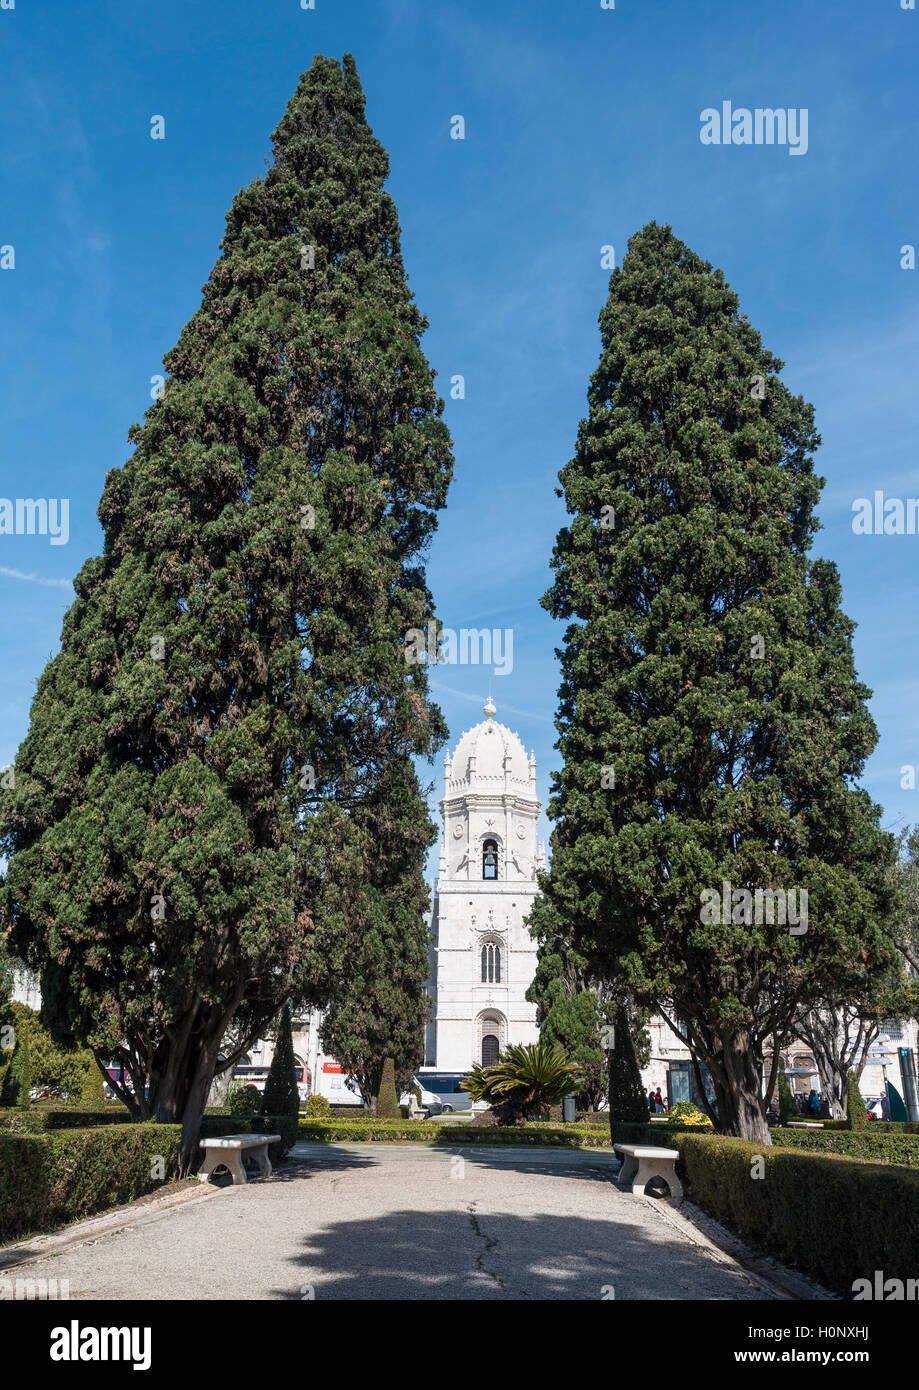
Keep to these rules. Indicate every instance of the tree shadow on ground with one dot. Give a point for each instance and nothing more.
(416, 1255)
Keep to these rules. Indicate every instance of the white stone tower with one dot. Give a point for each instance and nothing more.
(483, 958)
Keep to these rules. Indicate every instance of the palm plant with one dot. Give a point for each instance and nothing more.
(527, 1079)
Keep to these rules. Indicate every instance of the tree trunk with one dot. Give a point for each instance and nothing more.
(194, 1107)
(738, 1088)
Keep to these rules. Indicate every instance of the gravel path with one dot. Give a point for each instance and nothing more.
(378, 1221)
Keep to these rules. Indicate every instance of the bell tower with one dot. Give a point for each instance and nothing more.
(482, 957)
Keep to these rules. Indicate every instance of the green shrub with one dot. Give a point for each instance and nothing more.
(242, 1099)
(281, 1094)
(48, 1180)
(18, 1082)
(399, 1131)
(92, 1093)
(685, 1113)
(856, 1113)
(39, 1118)
(787, 1108)
(318, 1106)
(627, 1100)
(387, 1099)
(837, 1219)
(871, 1143)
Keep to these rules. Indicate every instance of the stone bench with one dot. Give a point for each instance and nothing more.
(805, 1124)
(641, 1163)
(229, 1150)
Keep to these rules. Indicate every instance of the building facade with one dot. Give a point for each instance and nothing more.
(482, 956)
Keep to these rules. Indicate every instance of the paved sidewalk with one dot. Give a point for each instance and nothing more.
(378, 1221)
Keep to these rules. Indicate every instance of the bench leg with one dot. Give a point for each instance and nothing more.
(627, 1171)
(211, 1161)
(648, 1171)
(263, 1161)
(235, 1165)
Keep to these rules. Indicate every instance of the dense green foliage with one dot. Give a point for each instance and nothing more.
(870, 1143)
(243, 1099)
(371, 959)
(787, 1108)
(233, 677)
(48, 1180)
(837, 1219)
(281, 1096)
(39, 1118)
(627, 1099)
(341, 1130)
(571, 1008)
(92, 1092)
(50, 1065)
(317, 1107)
(711, 722)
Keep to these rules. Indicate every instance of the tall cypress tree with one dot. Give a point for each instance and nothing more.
(571, 1008)
(282, 1096)
(232, 676)
(711, 722)
(371, 945)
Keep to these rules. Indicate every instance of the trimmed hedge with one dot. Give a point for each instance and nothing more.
(837, 1219)
(879, 1126)
(40, 1118)
(864, 1143)
(48, 1180)
(665, 1136)
(430, 1132)
(215, 1121)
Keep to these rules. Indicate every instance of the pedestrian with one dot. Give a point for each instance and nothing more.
(658, 1101)
(650, 1101)
(813, 1104)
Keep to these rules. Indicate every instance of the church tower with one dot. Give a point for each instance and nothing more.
(483, 958)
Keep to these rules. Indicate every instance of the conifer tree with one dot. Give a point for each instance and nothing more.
(627, 1099)
(711, 721)
(571, 1008)
(232, 677)
(371, 951)
(282, 1096)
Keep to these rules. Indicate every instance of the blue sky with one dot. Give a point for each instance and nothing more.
(582, 124)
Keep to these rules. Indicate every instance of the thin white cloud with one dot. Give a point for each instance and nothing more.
(36, 578)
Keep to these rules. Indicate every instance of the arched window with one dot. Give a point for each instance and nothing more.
(490, 859)
(491, 964)
(489, 1050)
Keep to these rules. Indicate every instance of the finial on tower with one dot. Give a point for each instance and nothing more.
(490, 709)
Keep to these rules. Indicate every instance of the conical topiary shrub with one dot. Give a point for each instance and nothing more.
(856, 1114)
(387, 1100)
(92, 1092)
(22, 1071)
(787, 1110)
(627, 1100)
(281, 1094)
